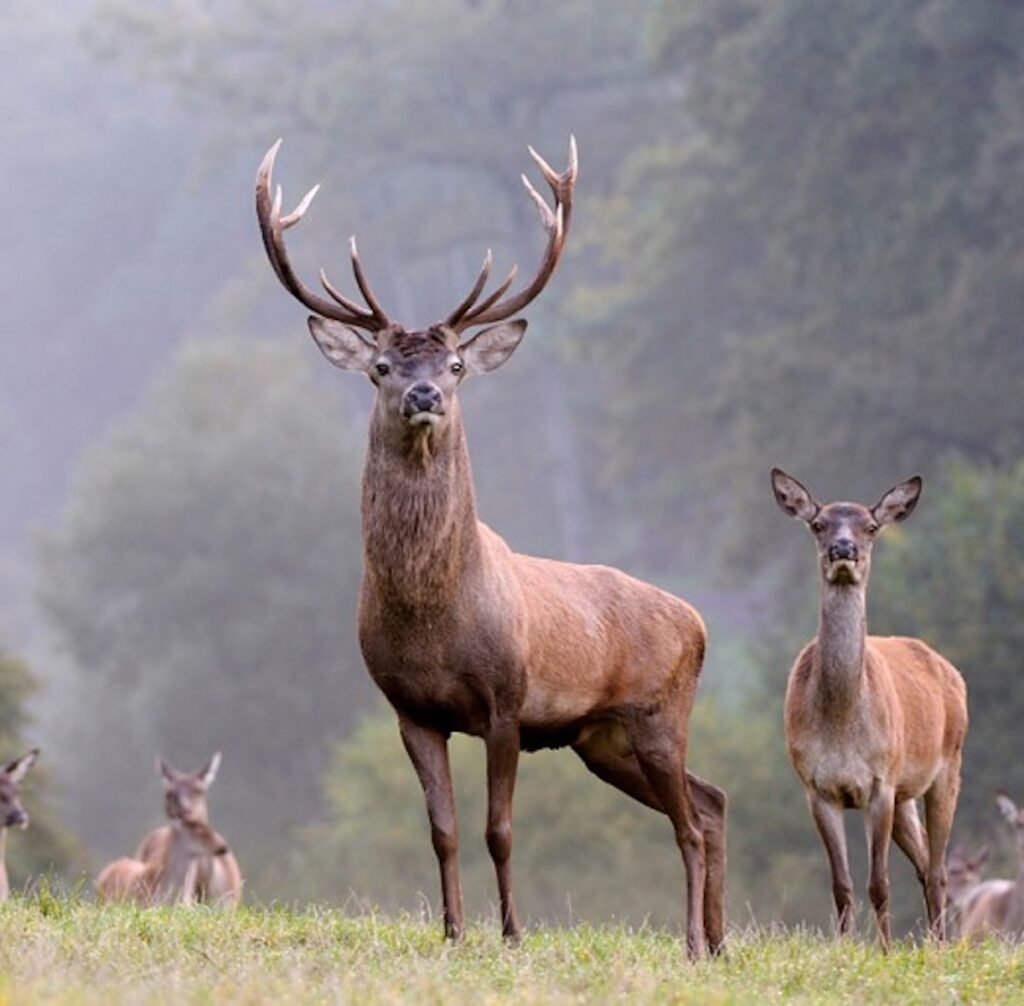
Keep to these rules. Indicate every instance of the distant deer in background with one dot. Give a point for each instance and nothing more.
(464, 635)
(872, 722)
(996, 907)
(12, 814)
(185, 861)
(963, 877)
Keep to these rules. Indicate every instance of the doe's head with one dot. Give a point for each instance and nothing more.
(185, 792)
(12, 814)
(845, 533)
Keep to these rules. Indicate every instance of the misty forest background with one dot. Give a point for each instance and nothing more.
(797, 241)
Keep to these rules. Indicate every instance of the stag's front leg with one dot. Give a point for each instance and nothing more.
(428, 751)
(502, 762)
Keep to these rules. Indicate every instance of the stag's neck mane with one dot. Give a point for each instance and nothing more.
(839, 656)
(419, 513)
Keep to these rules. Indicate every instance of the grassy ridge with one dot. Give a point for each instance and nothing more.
(64, 951)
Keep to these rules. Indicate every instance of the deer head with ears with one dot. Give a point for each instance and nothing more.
(416, 372)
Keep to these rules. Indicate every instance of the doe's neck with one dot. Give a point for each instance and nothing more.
(841, 643)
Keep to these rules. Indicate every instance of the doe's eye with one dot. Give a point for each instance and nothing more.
(872, 529)
(458, 367)
(817, 526)
(382, 368)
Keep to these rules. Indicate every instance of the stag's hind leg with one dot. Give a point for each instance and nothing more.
(939, 808)
(660, 750)
(428, 751)
(616, 765)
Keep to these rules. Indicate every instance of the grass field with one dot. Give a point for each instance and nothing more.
(54, 950)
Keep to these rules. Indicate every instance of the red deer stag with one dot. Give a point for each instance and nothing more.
(872, 722)
(462, 634)
(996, 907)
(12, 814)
(185, 861)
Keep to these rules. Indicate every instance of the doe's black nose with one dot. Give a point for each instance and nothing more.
(842, 548)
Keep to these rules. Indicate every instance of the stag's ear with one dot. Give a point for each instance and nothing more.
(489, 349)
(793, 497)
(343, 346)
(17, 769)
(899, 502)
(1007, 808)
(209, 771)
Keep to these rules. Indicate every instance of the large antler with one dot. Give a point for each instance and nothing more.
(273, 225)
(555, 223)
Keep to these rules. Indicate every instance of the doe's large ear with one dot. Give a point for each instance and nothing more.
(343, 346)
(209, 771)
(166, 769)
(899, 502)
(17, 769)
(1007, 807)
(489, 349)
(793, 497)
(980, 858)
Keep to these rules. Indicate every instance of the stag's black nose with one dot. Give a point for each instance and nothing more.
(422, 397)
(842, 548)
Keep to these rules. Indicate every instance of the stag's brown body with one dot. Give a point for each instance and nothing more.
(462, 634)
(872, 722)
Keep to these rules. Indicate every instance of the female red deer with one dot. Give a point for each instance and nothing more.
(872, 722)
(463, 634)
(12, 814)
(185, 861)
(996, 907)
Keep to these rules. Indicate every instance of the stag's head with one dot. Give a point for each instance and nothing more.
(12, 814)
(845, 533)
(185, 792)
(416, 372)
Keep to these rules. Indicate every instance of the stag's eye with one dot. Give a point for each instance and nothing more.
(457, 367)
(383, 368)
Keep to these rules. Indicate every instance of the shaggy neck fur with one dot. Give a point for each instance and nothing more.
(419, 512)
(842, 630)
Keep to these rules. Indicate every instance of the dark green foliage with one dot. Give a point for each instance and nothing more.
(203, 584)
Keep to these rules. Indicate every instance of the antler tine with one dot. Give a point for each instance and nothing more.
(555, 223)
(349, 305)
(364, 286)
(478, 286)
(272, 228)
(499, 291)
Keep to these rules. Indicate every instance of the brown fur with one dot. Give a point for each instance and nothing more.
(462, 634)
(167, 867)
(872, 722)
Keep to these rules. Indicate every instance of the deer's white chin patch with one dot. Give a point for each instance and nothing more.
(424, 419)
(843, 571)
